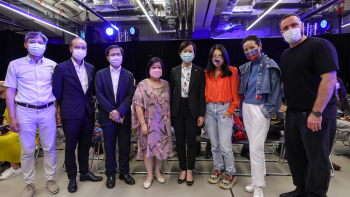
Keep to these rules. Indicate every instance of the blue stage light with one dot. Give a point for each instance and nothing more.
(132, 30)
(324, 24)
(109, 31)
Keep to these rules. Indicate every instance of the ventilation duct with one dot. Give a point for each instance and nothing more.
(179, 16)
(169, 13)
(112, 5)
(225, 16)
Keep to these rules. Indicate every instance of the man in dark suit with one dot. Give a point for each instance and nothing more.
(114, 92)
(72, 86)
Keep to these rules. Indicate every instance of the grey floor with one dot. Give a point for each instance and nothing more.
(275, 184)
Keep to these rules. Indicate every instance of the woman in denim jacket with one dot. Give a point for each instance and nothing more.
(260, 91)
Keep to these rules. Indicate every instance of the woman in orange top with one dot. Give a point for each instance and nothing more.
(221, 94)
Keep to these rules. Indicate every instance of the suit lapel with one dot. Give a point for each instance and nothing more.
(178, 77)
(74, 73)
(193, 78)
(88, 71)
(109, 80)
(120, 83)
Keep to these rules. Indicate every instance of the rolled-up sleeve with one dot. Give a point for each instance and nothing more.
(11, 76)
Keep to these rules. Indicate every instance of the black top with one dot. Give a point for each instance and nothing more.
(302, 67)
(2, 109)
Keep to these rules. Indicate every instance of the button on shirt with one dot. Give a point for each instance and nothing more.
(82, 75)
(185, 80)
(31, 79)
(115, 73)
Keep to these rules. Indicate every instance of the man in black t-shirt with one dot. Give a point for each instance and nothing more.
(309, 68)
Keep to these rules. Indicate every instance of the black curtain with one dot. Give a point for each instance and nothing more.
(138, 53)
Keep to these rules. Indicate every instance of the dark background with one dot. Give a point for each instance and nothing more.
(138, 53)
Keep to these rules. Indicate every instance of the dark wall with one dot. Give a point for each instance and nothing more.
(137, 54)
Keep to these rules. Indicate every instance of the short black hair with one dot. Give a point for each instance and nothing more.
(289, 15)
(150, 63)
(252, 37)
(185, 44)
(114, 47)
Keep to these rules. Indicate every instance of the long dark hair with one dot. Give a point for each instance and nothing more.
(343, 99)
(211, 67)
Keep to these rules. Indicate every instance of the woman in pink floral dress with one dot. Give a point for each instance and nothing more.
(151, 119)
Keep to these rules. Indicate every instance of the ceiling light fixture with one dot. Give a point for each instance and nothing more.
(146, 13)
(26, 14)
(345, 24)
(265, 13)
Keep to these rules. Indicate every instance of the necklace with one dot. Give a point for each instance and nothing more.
(157, 95)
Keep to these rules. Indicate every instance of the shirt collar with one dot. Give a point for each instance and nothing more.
(187, 68)
(32, 61)
(113, 69)
(76, 65)
(259, 59)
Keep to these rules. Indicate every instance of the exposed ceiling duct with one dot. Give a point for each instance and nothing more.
(154, 14)
(186, 17)
(169, 13)
(319, 8)
(113, 5)
(179, 15)
(225, 16)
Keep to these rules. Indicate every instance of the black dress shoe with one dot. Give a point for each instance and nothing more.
(128, 179)
(208, 155)
(72, 186)
(180, 181)
(110, 183)
(293, 194)
(190, 183)
(90, 177)
(246, 154)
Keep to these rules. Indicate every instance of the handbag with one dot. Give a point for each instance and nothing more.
(238, 131)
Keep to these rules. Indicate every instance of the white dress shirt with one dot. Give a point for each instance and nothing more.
(82, 75)
(185, 80)
(115, 73)
(32, 80)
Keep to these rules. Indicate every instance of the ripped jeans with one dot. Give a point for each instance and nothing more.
(220, 133)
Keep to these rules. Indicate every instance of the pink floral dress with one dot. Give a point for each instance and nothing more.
(155, 103)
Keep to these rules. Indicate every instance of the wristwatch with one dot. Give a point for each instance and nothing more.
(317, 113)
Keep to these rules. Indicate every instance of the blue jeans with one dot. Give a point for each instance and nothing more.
(220, 133)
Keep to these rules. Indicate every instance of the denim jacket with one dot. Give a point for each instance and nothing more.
(268, 83)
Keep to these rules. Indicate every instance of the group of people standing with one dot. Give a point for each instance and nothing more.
(191, 98)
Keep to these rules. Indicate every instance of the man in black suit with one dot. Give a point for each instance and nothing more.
(114, 92)
(72, 86)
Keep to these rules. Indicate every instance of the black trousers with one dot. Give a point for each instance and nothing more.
(77, 132)
(110, 134)
(185, 127)
(308, 152)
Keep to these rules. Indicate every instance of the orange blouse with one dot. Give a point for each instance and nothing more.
(223, 89)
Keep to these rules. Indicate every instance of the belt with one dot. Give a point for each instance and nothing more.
(34, 106)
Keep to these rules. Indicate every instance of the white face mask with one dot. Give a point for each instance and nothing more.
(115, 60)
(36, 49)
(79, 54)
(293, 35)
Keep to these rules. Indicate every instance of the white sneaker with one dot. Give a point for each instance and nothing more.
(9, 173)
(258, 192)
(249, 188)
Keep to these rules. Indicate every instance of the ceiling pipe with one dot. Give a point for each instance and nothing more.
(36, 6)
(186, 17)
(15, 25)
(95, 13)
(154, 14)
(319, 9)
(56, 10)
(179, 15)
(169, 13)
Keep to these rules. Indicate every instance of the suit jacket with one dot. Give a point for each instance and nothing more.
(69, 93)
(106, 99)
(196, 91)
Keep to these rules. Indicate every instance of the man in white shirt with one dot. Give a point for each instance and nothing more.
(114, 91)
(33, 108)
(72, 86)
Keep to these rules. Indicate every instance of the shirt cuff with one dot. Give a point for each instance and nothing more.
(265, 113)
(231, 110)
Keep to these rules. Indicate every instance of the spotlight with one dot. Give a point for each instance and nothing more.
(134, 32)
(109, 31)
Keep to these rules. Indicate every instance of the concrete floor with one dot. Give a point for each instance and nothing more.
(275, 184)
